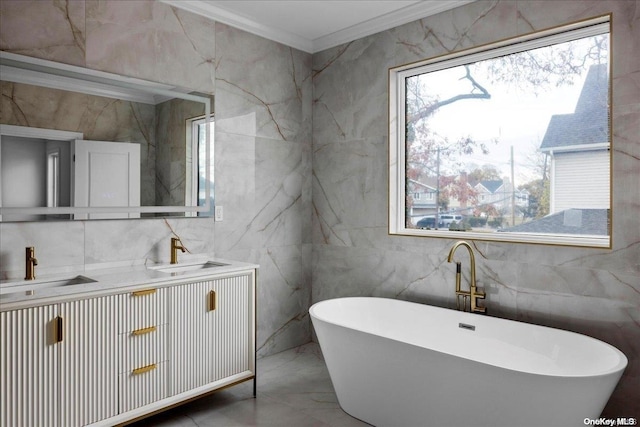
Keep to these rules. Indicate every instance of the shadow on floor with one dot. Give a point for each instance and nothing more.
(294, 390)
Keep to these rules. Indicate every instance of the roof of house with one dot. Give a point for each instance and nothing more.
(423, 185)
(491, 186)
(589, 123)
(570, 221)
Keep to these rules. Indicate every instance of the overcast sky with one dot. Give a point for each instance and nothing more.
(496, 118)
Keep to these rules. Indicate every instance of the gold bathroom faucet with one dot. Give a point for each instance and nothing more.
(176, 244)
(30, 263)
(473, 294)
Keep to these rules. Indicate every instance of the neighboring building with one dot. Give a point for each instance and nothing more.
(495, 193)
(498, 193)
(455, 205)
(423, 198)
(578, 146)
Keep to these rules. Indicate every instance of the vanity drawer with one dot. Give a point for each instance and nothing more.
(143, 385)
(143, 308)
(142, 347)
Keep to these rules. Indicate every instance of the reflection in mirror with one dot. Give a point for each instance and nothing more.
(121, 147)
(196, 187)
(510, 142)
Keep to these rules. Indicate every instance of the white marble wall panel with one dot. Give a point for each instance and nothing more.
(263, 176)
(284, 295)
(151, 40)
(280, 176)
(146, 240)
(59, 247)
(592, 291)
(355, 194)
(269, 80)
(235, 191)
(53, 30)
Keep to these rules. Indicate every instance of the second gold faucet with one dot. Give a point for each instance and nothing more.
(473, 294)
(176, 244)
(30, 263)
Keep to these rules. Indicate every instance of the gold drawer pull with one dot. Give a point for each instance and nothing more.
(144, 331)
(213, 300)
(143, 292)
(144, 369)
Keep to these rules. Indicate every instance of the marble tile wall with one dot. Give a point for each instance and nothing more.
(591, 291)
(262, 152)
(263, 132)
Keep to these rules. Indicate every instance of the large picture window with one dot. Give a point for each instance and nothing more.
(507, 142)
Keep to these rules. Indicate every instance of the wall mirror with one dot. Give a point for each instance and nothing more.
(506, 142)
(77, 143)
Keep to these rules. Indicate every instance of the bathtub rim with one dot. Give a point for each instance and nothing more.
(617, 369)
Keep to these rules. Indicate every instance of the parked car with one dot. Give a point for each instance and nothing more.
(427, 222)
(444, 221)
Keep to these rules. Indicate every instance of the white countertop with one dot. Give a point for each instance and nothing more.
(108, 280)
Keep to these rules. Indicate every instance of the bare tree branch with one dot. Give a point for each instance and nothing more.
(427, 111)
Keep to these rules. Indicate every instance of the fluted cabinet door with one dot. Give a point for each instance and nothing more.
(234, 350)
(212, 325)
(29, 355)
(89, 362)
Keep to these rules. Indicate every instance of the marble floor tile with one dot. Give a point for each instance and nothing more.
(294, 389)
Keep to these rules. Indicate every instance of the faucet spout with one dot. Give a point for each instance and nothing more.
(473, 294)
(176, 244)
(30, 263)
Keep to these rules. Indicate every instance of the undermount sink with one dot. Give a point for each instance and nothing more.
(30, 286)
(185, 268)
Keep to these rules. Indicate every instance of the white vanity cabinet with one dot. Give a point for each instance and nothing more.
(102, 360)
(143, 348)
(211, 333)
(58, 364)
(29, 367)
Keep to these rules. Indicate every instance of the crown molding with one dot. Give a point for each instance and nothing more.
(218, 14)
(402, 16)
(399, 17)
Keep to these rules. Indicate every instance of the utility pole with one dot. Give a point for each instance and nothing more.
(513, 193)
(437, 216)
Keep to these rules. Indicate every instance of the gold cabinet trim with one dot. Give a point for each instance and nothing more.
(213, 300)
(144, 369)
(143, 292)
(143, 331)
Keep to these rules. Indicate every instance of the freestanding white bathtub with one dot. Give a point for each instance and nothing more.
(397, 363)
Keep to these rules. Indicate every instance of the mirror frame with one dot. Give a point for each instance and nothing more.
(397, 155)
(40, 72)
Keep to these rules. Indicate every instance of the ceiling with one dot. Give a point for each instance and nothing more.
(315, 25)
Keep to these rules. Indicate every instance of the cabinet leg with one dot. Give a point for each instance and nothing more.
(255, 387)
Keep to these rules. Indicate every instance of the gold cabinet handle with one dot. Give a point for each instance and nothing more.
(144, 331)
(144, 369)
(213, 300)
(59, 329)
(143, 292)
